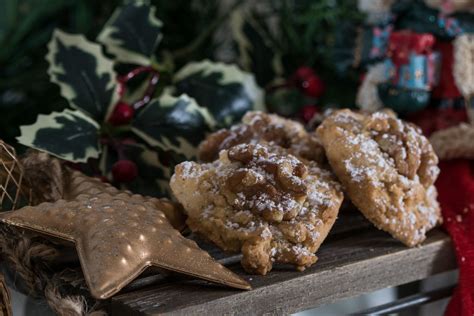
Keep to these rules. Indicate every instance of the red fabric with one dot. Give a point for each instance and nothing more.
(446, 89)
(431, 120)
(456, 196)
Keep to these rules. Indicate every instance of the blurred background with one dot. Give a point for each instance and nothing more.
(306, 56)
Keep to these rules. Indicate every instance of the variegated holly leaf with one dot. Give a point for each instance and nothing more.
(132, 33)
(225, 90)
(173, 124)
(84, 75)
(155, 168)
(256, 50)
(70, 135)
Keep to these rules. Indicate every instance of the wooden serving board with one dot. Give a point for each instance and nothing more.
(356, 258)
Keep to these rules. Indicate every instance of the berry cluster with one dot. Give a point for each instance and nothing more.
(125, 170)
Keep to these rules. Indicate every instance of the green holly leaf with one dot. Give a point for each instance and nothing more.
(132, 33)
(255, 45)
(84, 75)
(225, 90)
(285, 102)
(70, 135)
(173, 124)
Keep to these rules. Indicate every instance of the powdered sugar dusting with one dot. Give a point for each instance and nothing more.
(367, 163)
(387, 167)
(190, 169)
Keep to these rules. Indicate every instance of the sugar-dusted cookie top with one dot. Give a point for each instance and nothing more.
(387, 168)
(259, 127)
(262, 201)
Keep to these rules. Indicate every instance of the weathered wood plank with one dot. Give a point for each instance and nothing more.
(348, 266)
(349, 224)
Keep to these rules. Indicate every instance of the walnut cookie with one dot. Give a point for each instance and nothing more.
(262, 201)
(257, 127)
(387, 168)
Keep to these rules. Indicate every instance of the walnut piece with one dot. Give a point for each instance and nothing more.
(259, 127)
(404, 143)
(269, 185)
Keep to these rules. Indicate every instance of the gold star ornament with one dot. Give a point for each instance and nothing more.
(118, 235)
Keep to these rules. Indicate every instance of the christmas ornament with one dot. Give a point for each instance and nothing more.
(51, 179)
(403, 44)
(14, 191)
(411, 71)
(117, 236)
(124, 171)
(402, 100)
(412, 64)
(5, 301)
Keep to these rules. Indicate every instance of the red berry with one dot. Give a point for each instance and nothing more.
(308, 82)
(124, 171)
(308, 112)
(313, 87)
(304, 72)
(122, 114)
